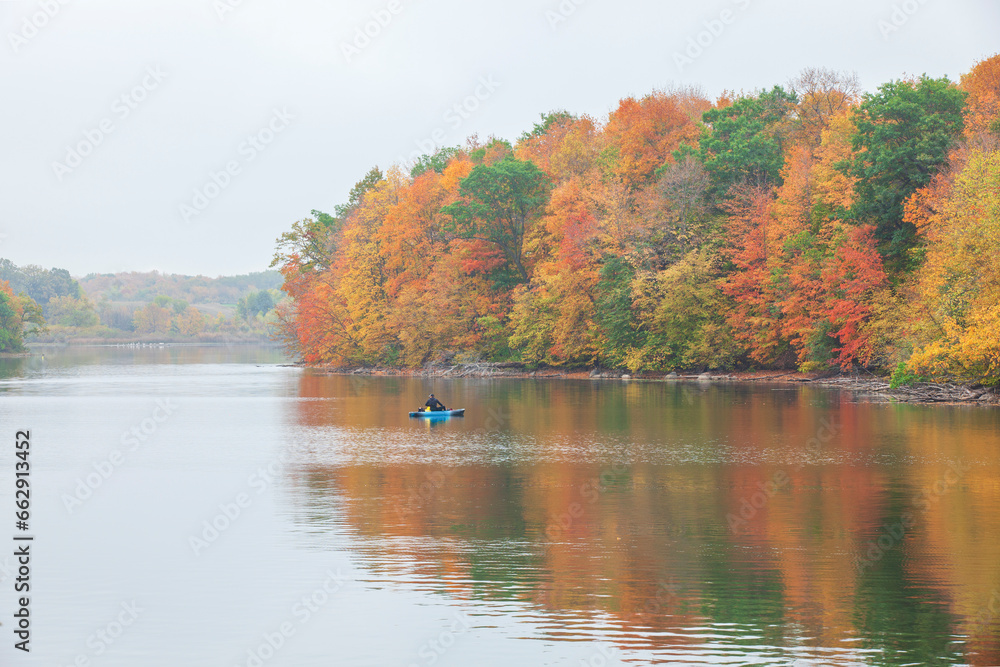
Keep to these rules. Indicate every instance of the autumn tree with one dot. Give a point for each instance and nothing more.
(902, 136)
(959, 289)
(684, 312)
(756, 316)
(362, 278)
(677, 234)
(678, 209)
(312, 241)
(499, 204)
(641, 136)
(548, 121)
(315, 317)
(190, 322)
(436, 162)
(421, 284)
(803, 279)
(552, 318)
(153, 318)
(822, 94)
(982, 113)
(11, 314)
(565, 148)
(20, 315)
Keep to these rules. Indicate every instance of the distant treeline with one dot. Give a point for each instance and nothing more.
(134, 286)
(49, 305)
(38, 283)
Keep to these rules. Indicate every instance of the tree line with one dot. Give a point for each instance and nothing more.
(49, 305)
(810, 226)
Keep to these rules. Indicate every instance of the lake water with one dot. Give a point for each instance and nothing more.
(209, 506)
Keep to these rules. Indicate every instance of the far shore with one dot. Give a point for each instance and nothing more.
(869, 388)
(152, 341)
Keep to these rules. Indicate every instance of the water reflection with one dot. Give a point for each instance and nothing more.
(156, 370)
(75, 359)
(684, 523)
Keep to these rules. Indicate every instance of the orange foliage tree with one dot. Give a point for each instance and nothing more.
(677, 234)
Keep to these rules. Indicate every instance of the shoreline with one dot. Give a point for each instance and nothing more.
(871, 388)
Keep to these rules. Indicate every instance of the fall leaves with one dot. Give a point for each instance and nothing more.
(811, 227)
(19, 314)
(958, 293)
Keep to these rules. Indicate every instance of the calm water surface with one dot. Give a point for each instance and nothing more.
(209, 506)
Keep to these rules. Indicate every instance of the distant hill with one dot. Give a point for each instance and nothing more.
(144, 287)
(151, 306)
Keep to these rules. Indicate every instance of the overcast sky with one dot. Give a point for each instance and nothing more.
(186, 135)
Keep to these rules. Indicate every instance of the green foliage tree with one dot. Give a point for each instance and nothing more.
(19, 315)
(38, 283)
(255, 303)
(548, 120)
(744, 142)
(903, 133)
(32, 316)
(532, 321)
(614, 311)
(313, 241)
(499, 203)
(371, 179)
(66, 311)
(436, 162)
(309, 241)
(493, 151)
(11, 336)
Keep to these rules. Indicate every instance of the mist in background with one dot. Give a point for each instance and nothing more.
(185, 136)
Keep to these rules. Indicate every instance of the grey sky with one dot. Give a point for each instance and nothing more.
(199, 80)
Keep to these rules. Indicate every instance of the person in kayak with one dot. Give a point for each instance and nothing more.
(434, 405)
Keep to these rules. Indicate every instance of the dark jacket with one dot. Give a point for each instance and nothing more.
(435, 404)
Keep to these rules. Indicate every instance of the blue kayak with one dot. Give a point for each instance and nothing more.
(440, 413)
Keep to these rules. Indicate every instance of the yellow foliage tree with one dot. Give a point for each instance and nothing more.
(152, 319)
(959, 287)
(982, 107)
(191, 322)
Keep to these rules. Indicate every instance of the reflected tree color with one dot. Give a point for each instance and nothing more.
(672, 516)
